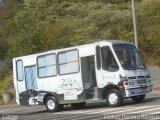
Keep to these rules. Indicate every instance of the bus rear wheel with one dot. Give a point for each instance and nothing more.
(51, 104)
(138, 98)
(114, 98)
(78, 105)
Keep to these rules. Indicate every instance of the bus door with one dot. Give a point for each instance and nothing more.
(31, 85)
(89, 77)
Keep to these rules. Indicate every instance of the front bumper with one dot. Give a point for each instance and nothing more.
(134, 91)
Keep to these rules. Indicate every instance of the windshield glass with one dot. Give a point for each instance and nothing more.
(128, 57)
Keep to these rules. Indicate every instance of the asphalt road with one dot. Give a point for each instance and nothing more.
(93, 111)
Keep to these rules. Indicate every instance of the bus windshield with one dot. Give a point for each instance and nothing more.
(128, 57)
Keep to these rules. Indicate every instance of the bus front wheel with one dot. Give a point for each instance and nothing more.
(114, 98)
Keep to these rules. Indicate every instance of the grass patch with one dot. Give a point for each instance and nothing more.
(6, 85)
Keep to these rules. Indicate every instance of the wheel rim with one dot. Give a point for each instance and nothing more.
(51, 104)
(113, 98)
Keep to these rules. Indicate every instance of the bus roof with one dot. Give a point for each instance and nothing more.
(108, 42)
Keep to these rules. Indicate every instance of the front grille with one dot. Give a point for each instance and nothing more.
(136, 77)
(133, 77)
(139, 77)
(142, 81)
(137, 80)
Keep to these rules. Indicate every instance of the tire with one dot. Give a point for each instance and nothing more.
(139, 98)
(78, 105)
(51, 104)
(114, 98)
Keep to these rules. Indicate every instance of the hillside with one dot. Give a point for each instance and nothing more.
(32, 26)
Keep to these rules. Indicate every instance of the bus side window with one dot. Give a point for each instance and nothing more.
(19, 66)
(46, 65)
(108, 61)
(68, 62)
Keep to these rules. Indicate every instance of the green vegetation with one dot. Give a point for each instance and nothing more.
(32, 26)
